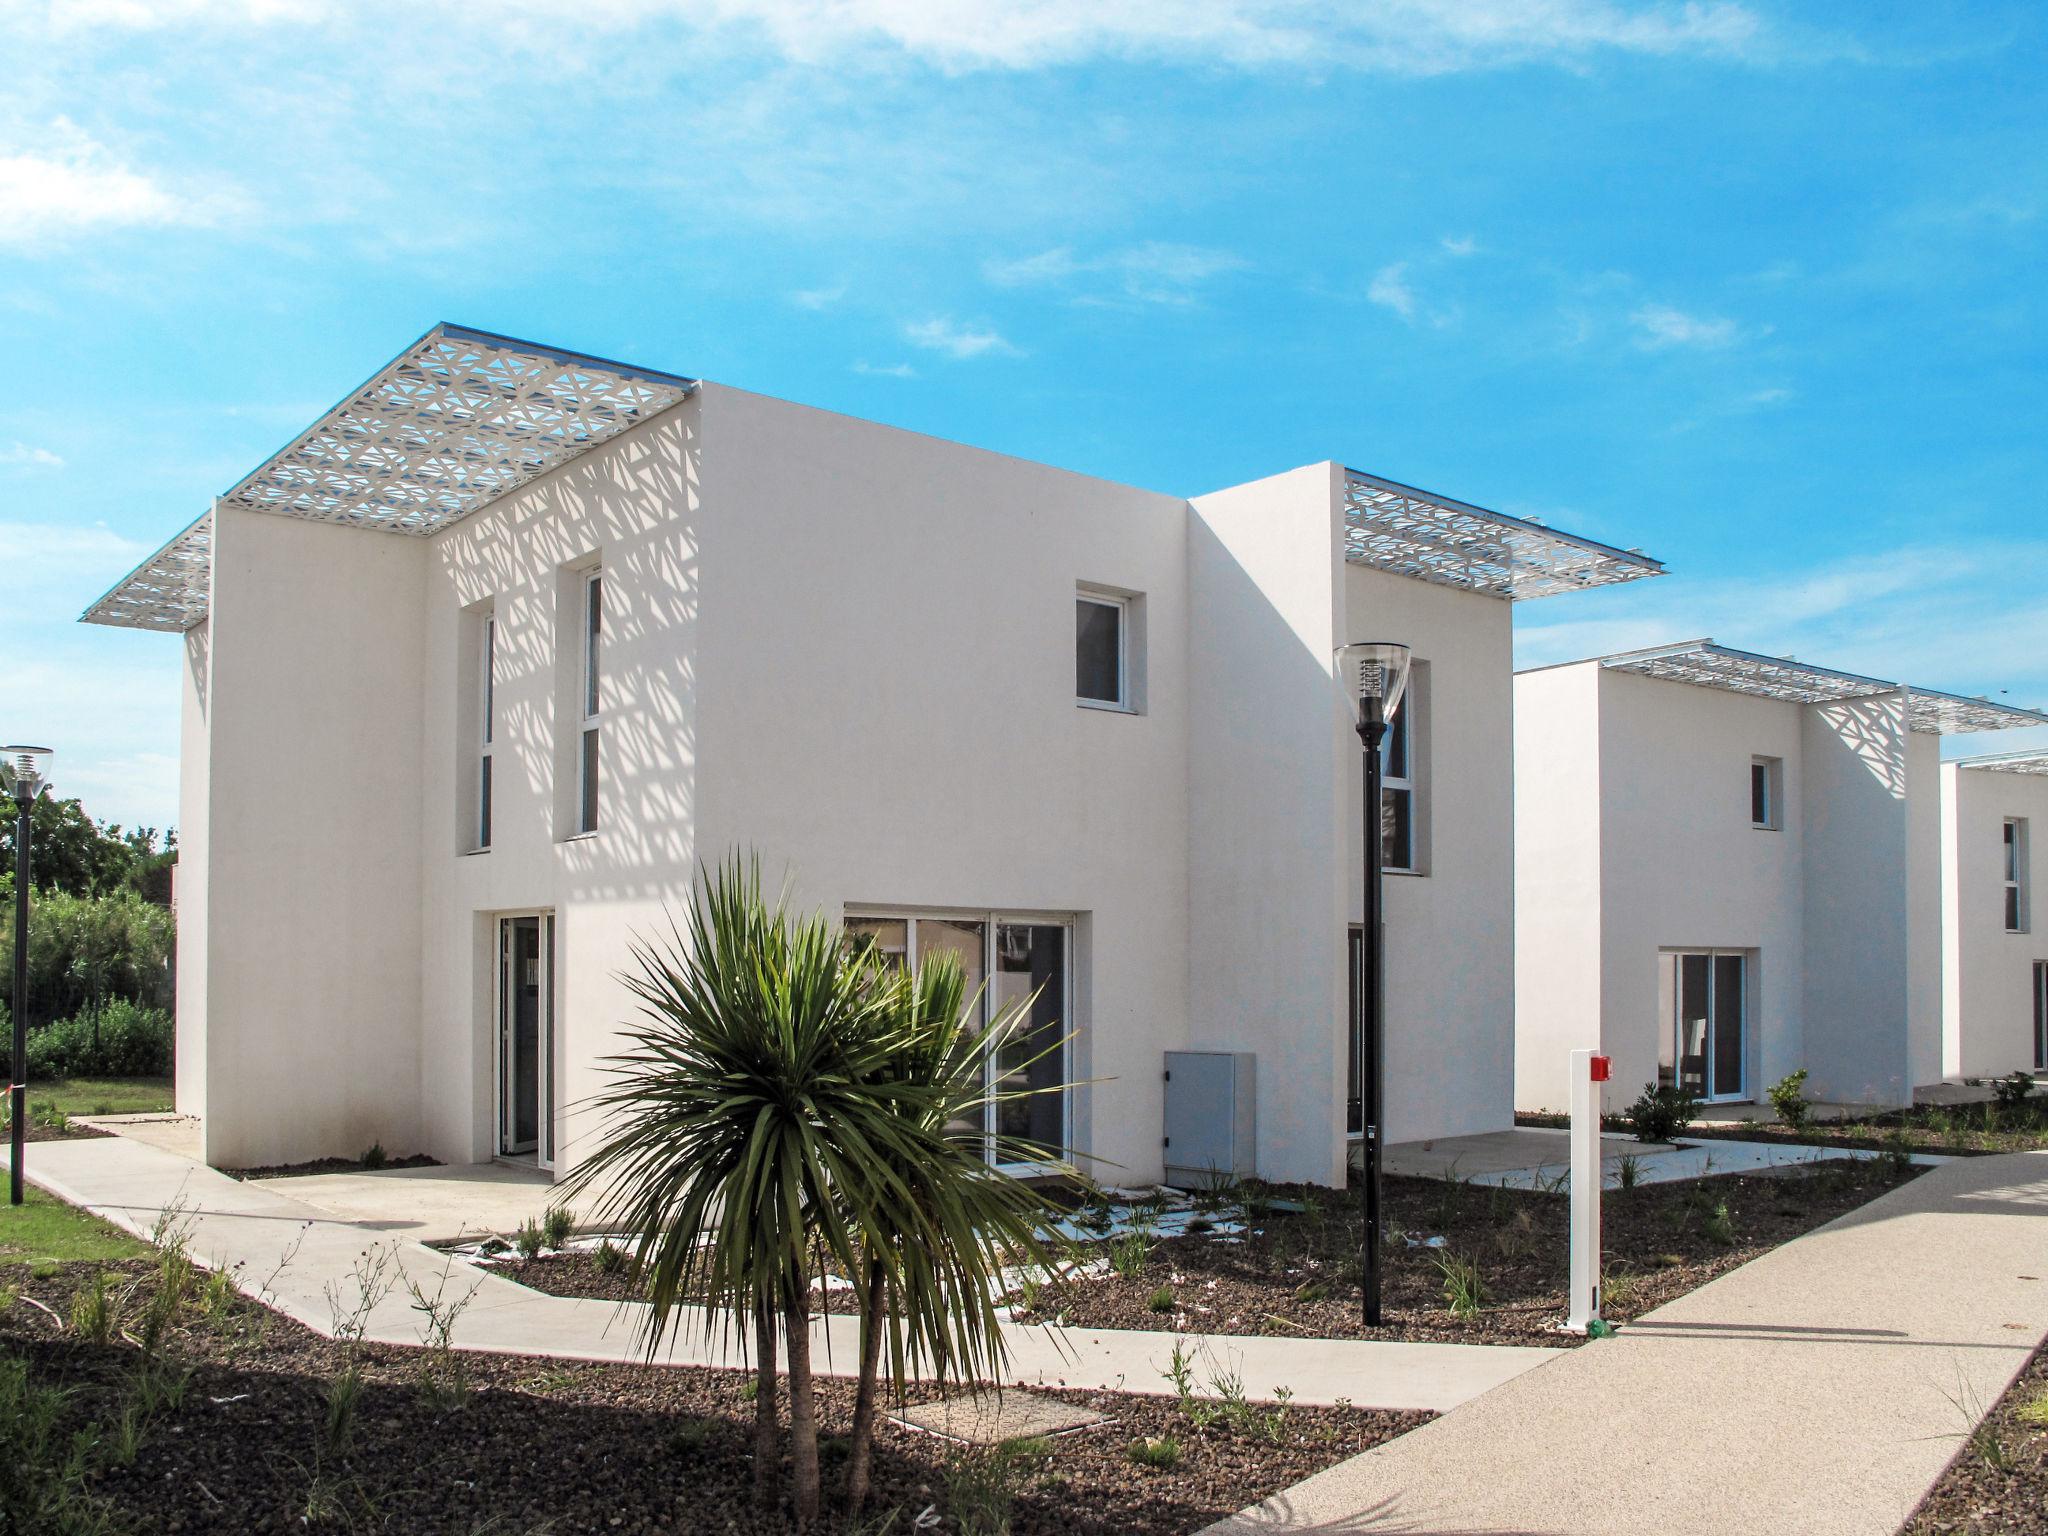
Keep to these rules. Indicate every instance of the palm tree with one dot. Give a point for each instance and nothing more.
(929, 1288)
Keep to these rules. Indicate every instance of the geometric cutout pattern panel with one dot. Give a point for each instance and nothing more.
(168, 591)
(456, 421)
(1398, 528)
(1951, 714)
(2034, 763)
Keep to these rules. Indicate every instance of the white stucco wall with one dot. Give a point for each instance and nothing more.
(311, 832)
(1988, 1015)
(1557, 878)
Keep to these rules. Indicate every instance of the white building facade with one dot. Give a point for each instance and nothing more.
(1994, 812)
(488, 663)
(1728, 869)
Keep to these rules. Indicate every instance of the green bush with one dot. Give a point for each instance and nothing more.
(1663, 1111)
(2011, 1092)
(1788, 1098)
(85, 952)
(120, 1040)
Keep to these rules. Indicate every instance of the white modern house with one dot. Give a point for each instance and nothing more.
(1994, 1004)
(485, 663)
(1727, 868)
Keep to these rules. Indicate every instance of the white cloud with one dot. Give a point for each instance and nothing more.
(1390, 290)
(1461, 245)
(1155, 272)
(1663, 326)
(885, 370)
(16, 455)
(1402, 36)
(71, 184)
(817, 298)
(959, 341)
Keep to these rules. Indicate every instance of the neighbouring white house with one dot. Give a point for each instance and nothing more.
(1728, 868)
(1994, 1005)
(482, 667)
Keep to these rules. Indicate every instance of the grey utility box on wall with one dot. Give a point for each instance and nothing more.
(1212, 1123)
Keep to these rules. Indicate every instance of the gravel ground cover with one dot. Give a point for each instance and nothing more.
(236, 1419)
(1998, 1483)
(1499, 1277)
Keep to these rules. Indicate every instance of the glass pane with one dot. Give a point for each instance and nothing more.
(1031, 958)
(1397, 828)
(490, 674)
(593, 620)
(1728, 1010)
(2012, 909)
(2040, 1014)
(1394, 745)
(588, 823)
(2012, 851)
(1760, 794)
(524, 1130)
(968, 942)
(483, 807)
(1098, 651)
(547, 1035)
(1692, 1023)
(890, 935)
(1667, 1011)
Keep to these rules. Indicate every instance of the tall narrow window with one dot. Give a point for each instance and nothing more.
(587, 755)
(2041, 1015)
(1101, 651)
(486, 725)
(1763, 792)
(2015, 872)
(1397, 790)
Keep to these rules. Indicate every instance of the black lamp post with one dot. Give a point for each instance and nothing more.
(1375, 674)
(26, 780)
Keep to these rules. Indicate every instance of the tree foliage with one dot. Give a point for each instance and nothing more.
(87, 951)
(71, 852)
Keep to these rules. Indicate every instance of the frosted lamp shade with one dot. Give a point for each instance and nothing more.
(1375, 669)
(27, 770)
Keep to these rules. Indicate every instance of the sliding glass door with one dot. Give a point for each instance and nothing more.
(1018, 959)
(1705, 1037)
(526, 1037)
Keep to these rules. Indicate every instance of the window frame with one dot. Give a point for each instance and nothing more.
(590, 705)
(991, 919)
(486, 729)
(2014, 897)
(1772, 769)
(1124, 703)
(1407, 782)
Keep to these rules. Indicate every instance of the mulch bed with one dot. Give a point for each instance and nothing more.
(1998, 1483)
(331, 1165)
(1297, 1274)
(70, 1132)
(562, 1446)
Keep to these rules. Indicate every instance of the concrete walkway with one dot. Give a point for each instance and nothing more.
(304, 1261)
(1821, 1389)
(1537, 1157)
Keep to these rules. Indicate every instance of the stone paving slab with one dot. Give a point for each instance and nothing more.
(1821, 1388)
(306, 1263)
(990, 1418)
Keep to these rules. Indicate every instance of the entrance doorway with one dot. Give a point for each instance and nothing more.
(1705, 1045)
(526, 1037)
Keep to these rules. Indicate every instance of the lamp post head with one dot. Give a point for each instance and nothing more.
(26, 771)
(1374, 674)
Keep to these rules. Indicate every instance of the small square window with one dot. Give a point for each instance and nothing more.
(1102, 651)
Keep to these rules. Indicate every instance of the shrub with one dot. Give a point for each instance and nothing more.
(1161, 1300)
(1720, 1226)
(2011, 1092)
(557, 1224)
(119, 1040)
(529, 1240)
(611, 1258)
(1663, 1111)
(1161, 1451)
(85, 952)
(375, 1157)
(1788, 1098)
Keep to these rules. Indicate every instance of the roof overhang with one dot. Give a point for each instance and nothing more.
(454, 422)
(2033, 763)
(1708, 665)
(1410, 532)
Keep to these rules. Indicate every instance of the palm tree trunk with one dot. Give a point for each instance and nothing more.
(864, 1396)
(767, 1435)
(803, 1413)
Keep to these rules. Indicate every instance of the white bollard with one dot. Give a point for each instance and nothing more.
(1589, 1070)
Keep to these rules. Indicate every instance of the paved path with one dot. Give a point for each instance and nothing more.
(251, 1227)
(1820, 1389)
(1538, 1157)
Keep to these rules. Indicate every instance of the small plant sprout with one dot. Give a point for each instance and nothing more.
(444, 1378)
(375, 1157)
(1158, 1451)
(1788, 1098)
(1719, 1226)
(611, 1258)
(1129, 1253)
(529, 1240)
(1161, 1300)
(1628, 1172)
(557, 1225)
(95, 1312)
(1464, 1289)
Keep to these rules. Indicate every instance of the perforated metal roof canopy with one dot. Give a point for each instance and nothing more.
(2035, 763)
(1708, 665)
(455, 421)
(1417, 533)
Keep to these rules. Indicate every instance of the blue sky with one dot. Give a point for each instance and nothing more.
(1757, 288)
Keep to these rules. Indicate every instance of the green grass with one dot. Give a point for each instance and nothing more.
(46, 1230)
(102, 1095)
